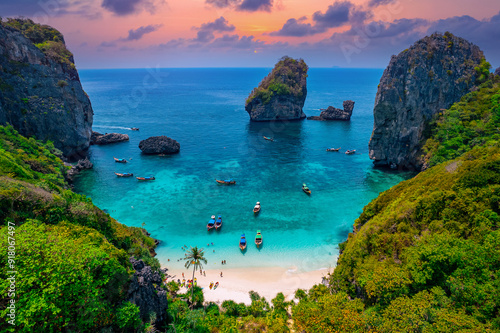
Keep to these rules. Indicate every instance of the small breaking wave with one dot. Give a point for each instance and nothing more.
(114, 127)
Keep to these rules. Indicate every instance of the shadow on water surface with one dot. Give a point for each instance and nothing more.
(287, 147)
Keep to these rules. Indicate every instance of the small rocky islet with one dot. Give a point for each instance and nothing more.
(281, 95)
(156, 145)
(332, 113)
(107, 138)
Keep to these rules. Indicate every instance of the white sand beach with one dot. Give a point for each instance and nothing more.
(235, 283)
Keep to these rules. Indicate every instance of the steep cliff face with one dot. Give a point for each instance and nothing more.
(430, 76)
(281, 94)
(40, 90)
(145, 291)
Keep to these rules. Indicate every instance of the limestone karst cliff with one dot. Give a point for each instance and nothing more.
(430, 76)
(281, 94)
(40, 91)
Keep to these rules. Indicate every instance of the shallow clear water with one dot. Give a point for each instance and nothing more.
(203, 109)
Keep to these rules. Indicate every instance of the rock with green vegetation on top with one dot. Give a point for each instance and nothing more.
(430, 76)
(40, 90)
(281, 94)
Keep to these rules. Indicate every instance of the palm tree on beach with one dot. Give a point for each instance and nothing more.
(194, 256)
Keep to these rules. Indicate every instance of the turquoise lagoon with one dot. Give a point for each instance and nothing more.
(203, 109)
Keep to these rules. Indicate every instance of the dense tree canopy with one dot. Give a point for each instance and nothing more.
(287, 78)
(71, 258)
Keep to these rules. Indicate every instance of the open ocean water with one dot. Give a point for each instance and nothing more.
(203, 109)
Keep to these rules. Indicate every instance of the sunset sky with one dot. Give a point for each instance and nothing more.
(255, 33)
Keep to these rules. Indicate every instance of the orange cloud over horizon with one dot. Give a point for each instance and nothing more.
(146, 29)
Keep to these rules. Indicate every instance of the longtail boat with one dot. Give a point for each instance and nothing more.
(211, 223)
(145, 178)
(243, 242)
(120, 160)
(256, 209)
(124, 174)
(306, 189)
(218, 222)
(226, 182)
(258, 239)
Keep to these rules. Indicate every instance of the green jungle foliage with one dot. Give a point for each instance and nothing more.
(69, 277)
(425, 255)
(474, 121)
(259, 316)
(49, 40)
(71, 257)
(287, 78)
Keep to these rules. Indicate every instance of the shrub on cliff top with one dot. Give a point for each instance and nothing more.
(287, 78)
(49, 40)
(482, 71)
(35, 32)
(474, 121)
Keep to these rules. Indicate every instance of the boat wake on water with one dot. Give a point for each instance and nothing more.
(113, 127)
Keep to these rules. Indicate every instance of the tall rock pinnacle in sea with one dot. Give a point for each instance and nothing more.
(40, 90)
(281, 94)
(421, 81)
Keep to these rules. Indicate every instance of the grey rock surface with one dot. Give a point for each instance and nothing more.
(280, 108)
(159, 145)
(82, 164)
(145, 291)
(497, 71)
(430, 76)
(41, 97)
(332, 113)
(104, 139)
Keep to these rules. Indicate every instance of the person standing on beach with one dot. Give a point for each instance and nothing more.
(220, 274)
